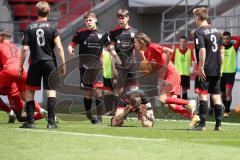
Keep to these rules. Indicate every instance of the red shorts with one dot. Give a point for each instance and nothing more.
(171, 84)
(8, 77)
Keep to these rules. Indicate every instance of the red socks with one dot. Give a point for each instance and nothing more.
(177, 101)
(183, 111)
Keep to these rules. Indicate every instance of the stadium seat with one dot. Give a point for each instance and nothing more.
(33, 11)
(23, 24)
(20, 10)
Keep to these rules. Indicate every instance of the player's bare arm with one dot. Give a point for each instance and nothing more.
(24, 52)
(169, 53)
(222, 52)
(60, 52)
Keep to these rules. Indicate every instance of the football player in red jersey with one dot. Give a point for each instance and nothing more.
(169, 83)
(10, 84)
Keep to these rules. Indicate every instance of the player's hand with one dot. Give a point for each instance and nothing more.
(71, 51)
(20, 72)
(63, 70)
(202, 75)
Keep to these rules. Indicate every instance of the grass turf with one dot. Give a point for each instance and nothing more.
(168, 140)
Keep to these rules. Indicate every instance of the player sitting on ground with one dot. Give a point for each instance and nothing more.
(134, 100)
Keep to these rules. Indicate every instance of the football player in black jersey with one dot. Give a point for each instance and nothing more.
(40, 37)
(91, 41)
(210, 54)
(122, 36)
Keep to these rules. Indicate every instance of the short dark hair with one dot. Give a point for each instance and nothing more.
(89, 14)
(6, 34)
(183, 37)
(122, 12)
(43, 8)
(226, 33)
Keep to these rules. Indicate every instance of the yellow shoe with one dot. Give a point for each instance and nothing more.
(226, 115)
(195, 120)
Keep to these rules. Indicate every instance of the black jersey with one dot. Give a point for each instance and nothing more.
(124, 40)
(39, 36)
(209, 38)
(91, 43)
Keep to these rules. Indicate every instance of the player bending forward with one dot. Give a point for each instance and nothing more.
(157, 59)
(134, 100)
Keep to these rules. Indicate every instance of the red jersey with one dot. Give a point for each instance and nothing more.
(155, 54)
(9, 56)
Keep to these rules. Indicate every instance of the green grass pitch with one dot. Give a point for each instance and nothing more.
(168, 140)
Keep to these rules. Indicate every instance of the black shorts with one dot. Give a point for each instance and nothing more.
(211, 85)
(185, 81)
(227, 81)
(91, 78)
(108, 84)
(127, 76)
(42, 69)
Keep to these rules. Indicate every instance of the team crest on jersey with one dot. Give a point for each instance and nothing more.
(99, 36)
(85, 42)
(132, 35)
(118, 41)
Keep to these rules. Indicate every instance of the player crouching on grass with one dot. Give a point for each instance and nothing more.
(157, 59)
(134, 100)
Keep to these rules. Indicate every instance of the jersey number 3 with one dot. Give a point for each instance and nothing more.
(40, 37)
(214, 42)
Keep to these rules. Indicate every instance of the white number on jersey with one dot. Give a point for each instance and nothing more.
(214, 41)
(40, 37)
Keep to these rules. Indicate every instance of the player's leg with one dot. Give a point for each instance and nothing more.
(229, 87)
(8, 110)
(4, 107)
(108, 95)
(50, 83)
(214, 89)
(202, 89)
(33, 83)
(223, 82)
(185, 84)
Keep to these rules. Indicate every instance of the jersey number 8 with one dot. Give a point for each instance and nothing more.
(40, 37)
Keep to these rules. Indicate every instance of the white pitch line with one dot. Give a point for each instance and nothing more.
(175, 120)
(92, 135)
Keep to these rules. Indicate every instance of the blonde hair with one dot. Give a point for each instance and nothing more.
(43, 8)
(143, 38)
(201, 12)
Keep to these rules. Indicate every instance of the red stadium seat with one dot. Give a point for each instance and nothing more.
(23, 24)
(33, 11)
(20, 10)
